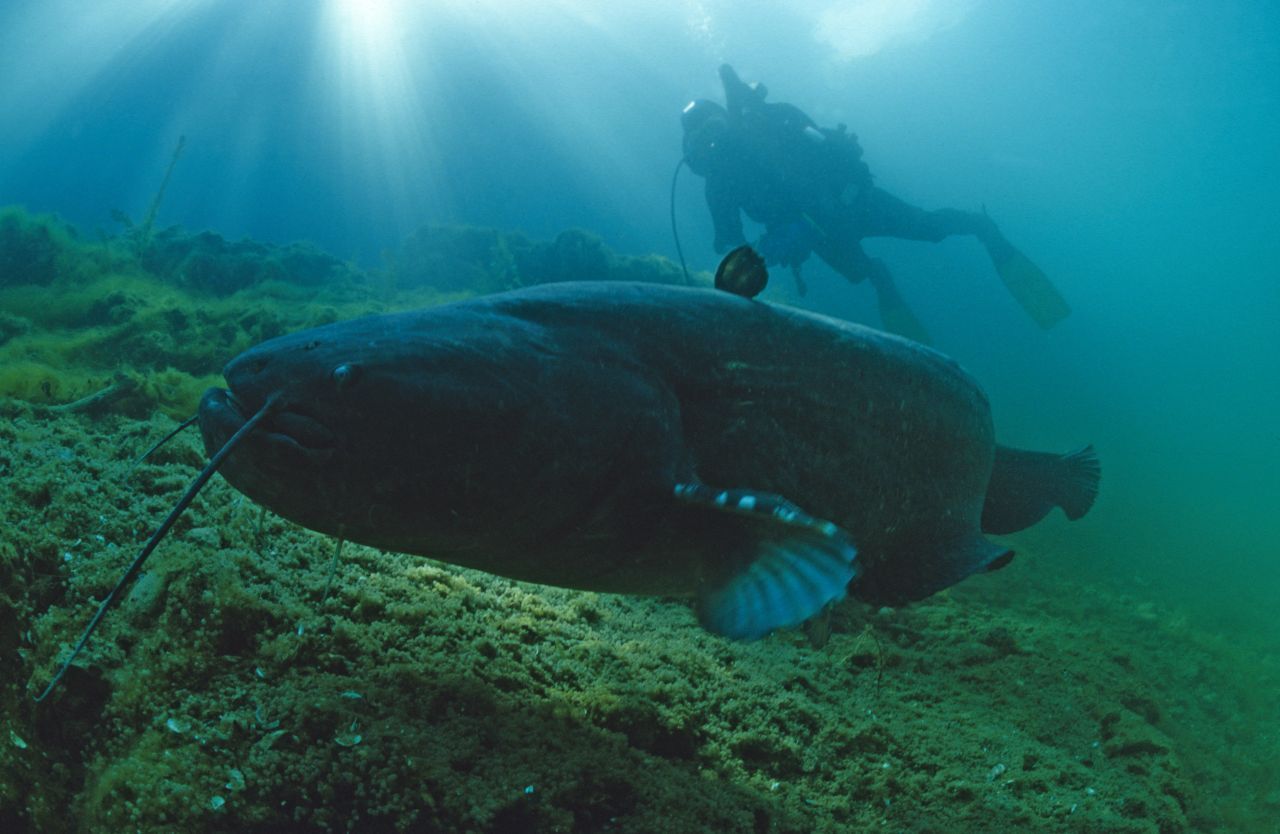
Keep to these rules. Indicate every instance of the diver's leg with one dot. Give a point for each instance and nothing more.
(895, 315)
(883, 215)
(854, 264)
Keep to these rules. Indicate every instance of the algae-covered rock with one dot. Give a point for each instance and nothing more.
(36, 249)
(458, 259)
(29, 248)
(207, 262)
(574, 255)
(254, 681)
(171, 308)
(483, 260)
(11, 325)
(162, 315)
(251, 683)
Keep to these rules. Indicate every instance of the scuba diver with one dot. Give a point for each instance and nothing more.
(808, 186)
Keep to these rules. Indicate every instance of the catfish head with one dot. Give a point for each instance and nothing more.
(399, 431)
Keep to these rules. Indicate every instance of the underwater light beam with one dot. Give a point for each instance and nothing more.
(861, 29)
(381, 97)
(52, 52)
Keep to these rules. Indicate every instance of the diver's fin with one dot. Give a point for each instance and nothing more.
(787, 566)
(1025, 486)
(802, 288)
(1026, 282)
(738, 95)
(897, 317)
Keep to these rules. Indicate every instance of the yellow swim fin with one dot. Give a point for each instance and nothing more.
(1028, 284)
(897, 317)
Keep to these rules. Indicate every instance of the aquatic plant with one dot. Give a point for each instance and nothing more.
(139, 236)
(148, 223)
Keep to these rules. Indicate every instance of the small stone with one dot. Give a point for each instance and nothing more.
(350, 738)
(146, 597)
(216, 803)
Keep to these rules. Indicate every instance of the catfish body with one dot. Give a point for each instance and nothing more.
(627, 438)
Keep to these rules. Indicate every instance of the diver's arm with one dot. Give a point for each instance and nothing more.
(724, 215)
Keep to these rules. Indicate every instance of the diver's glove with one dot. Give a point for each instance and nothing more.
(788, 244)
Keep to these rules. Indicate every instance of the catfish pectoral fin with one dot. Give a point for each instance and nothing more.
(779, 566)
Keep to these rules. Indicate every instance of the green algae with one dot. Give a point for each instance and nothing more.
(170, 314)
(237, 689)
(1024, 700)
(35, 250)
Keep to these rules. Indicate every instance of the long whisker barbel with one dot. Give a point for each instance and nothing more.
(160, 533)
(185, 424)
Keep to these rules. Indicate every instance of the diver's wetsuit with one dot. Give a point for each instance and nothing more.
(810, 186)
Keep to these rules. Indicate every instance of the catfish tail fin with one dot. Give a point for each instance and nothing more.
(1025, 486)
(1081, 472)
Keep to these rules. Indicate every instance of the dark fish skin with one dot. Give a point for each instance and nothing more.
(538, 434)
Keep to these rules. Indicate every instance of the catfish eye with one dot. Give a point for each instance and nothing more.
(345, 375)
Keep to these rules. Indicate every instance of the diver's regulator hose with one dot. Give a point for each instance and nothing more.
(675, 233)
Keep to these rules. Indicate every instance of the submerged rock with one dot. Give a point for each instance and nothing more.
(621, 713)
(209, 263)
(481, 260)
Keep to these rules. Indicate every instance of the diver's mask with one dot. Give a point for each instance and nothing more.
(706, 125)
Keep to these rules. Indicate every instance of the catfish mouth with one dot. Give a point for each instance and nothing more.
(289, 428)
(295, 428)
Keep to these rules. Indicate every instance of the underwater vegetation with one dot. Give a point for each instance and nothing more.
(481, 261)
(167, 313)
(251, 682)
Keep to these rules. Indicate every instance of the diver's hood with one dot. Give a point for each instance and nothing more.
(705, 125)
